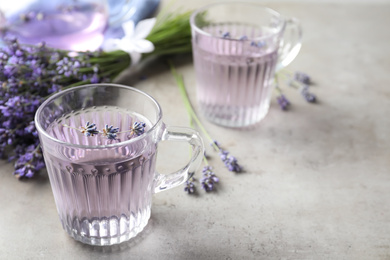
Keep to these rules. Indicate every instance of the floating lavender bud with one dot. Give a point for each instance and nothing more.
(226, 35)
(302, 78)
(258, 44)
(110, 132)
(209, 179)
(283, 102)
(89, 129)
(309, 97)
(138, 128)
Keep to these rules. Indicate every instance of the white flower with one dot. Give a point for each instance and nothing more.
(134, 41)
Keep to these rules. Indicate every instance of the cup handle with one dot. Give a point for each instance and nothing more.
(290, 44)
(181, 134)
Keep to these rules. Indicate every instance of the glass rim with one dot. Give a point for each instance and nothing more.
(244, 3)
(41, 130)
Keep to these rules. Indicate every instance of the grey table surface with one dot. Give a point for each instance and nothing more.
(317, 177)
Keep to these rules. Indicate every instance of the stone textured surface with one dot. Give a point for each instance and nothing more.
(316, 179)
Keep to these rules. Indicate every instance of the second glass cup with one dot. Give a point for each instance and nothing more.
(237, 47)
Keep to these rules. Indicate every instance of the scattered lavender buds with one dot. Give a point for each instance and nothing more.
(190, 185)
(309, 97)
(209, 179)
(302, 78)
(302, 81)
(283, 102)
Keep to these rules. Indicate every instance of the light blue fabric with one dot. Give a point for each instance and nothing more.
(120, 12)
(125, 10)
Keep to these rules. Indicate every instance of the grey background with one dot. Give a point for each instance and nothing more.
(316, 179)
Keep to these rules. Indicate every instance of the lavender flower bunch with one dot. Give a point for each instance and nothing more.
(29, 74)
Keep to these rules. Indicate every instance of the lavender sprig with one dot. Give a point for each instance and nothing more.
(229, 160)
(194, 117)
(209, 179)
(189, 186)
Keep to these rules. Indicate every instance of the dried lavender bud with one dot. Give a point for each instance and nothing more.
(190, 186)
(309, 97)
(89, 129)
(209, 179)
(138, 128)
(302, 77)
(226, 35)
(283, 102)
(110, 132)
(258, 44)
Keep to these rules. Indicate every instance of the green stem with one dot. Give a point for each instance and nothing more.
(187, 103)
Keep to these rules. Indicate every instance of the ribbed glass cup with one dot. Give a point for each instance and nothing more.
(237, 47)
(103, 188)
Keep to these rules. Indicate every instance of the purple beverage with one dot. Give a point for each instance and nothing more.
(237, 47)
(100, 143)
(234, 76)
(76, 27)
(103, 196)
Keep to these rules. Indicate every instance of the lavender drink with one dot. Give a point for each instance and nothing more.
(99, 142)
(237, 47)
(103, 196)
(234, 75)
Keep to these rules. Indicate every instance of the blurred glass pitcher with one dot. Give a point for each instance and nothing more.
(77, 25)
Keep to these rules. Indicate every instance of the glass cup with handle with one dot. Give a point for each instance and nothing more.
(237, 47)
(100, 143)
